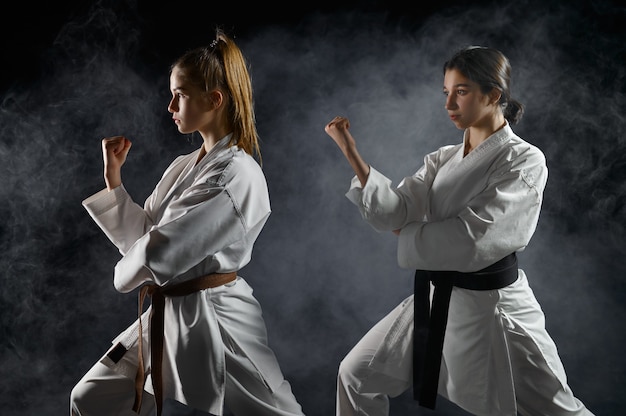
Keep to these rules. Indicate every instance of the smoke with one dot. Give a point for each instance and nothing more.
(59, 309)
(386, 77)
(323, 276)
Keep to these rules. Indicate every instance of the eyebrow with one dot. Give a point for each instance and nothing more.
(180, 89)
(458, 85)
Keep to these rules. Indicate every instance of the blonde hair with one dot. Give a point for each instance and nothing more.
(221, 65)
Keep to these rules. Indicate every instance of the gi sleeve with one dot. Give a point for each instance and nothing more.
(214, 221)
(388, 208)
(120, 218)
(496, 222)
(210, 224)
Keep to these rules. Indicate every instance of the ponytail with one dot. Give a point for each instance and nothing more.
(239, 86)
(513, 111)
(221, 65)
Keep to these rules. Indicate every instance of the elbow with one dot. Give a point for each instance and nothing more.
(408, 254)
(405, 262)
(122, 281)
(121, 286)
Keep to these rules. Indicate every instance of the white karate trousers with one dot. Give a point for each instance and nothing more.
(104, 392)
(363, 391)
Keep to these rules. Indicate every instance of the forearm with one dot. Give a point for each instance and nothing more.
(112, 178)
(360, 167)
(338, 130)
(174, 248)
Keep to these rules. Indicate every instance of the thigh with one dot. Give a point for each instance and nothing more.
(103, 391)
(538, 389)
(390, 374)
(248, 393)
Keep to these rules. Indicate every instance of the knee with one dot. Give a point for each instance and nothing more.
(350, 370)
(344, 368)
(78, 396)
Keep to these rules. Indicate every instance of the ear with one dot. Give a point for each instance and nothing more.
(215, 99)
(494, 96)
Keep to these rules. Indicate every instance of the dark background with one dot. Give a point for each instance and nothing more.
(79, 71)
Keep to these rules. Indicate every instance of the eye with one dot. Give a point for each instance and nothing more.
(178, 94)
(461, 92)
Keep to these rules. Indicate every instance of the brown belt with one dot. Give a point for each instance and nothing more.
(430, 321)
(158, 294)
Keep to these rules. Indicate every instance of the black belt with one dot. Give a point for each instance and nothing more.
(430, 321)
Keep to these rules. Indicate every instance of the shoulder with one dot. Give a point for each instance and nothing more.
(448, 149)
(235, 169)
(517, 148)
(223, 166)
(523, 159)
(443, 153)
(241, 164)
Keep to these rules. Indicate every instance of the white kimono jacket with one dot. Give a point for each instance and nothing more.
(464, 214)
(198, 220)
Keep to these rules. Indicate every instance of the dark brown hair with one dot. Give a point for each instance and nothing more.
(489, 68)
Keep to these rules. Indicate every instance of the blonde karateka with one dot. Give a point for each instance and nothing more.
(201, 346)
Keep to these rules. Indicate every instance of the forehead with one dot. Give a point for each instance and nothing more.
(453, 77)
(178, 80)
(176, 77)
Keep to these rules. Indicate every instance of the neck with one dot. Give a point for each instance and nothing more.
(210, 140)
(478, 134)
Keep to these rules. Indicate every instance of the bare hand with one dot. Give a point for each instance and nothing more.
(114, 152)
(338, 130)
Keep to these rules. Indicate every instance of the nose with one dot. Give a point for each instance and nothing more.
(172, 106)
(450, 102)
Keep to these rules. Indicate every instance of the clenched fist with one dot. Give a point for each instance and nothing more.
(114, 152)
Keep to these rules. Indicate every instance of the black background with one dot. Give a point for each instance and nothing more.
(79, 71)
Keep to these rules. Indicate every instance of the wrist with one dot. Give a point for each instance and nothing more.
(112, 181)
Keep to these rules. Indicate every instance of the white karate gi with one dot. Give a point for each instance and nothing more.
(463, 214)
(200, 219)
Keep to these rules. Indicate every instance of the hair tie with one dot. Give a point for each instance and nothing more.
(214, 43)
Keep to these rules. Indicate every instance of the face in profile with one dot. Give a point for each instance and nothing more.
(189, 104)
(467, 106)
